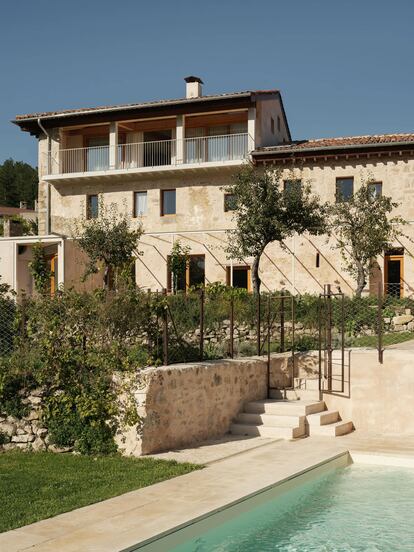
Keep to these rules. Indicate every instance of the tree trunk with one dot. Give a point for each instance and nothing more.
(361, 280)
(256, 281)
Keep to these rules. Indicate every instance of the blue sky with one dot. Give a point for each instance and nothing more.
(343, 67)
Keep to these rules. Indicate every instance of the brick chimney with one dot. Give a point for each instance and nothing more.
(194, 87)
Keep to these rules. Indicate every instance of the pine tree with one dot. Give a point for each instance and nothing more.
(18, 182)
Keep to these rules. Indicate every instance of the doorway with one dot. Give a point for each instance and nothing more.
(394, 272)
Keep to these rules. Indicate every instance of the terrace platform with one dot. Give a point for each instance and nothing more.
(120, 523)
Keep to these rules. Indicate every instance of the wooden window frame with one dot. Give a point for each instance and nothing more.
(187, 272)
(394, 257)
(162, 214)
(248, 268)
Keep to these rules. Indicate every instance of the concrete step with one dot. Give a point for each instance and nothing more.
(295, 394)
(331, 430)
(285, 407)
(323, 418)
(266, 431)
(270, 420)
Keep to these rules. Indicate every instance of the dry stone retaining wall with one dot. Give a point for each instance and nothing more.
(179, 405)
(183, 404)
(27, 433)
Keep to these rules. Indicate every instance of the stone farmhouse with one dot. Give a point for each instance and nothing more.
(166, 162)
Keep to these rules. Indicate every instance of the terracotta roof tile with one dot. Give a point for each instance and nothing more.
(340, 142)
(120, 107)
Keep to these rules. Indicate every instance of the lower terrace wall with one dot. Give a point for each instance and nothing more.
(186, 403)
(183, 404)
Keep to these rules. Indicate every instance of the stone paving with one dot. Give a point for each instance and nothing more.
(121, 522)
(236, 468)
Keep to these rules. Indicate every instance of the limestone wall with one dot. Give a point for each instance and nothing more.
(186, 403)
(201, 222)
(378, 397)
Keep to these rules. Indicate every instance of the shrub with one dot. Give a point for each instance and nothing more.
(74, 345)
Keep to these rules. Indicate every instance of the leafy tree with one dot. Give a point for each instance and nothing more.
(18, 182)
(363, 230)
(110, 243)
(266, 213)
(178, 263)
(39, 269)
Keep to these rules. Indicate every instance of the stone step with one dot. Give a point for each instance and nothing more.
(323, 418)
(266, 431)
(270, 420)
(285, 407)
(331, 430)
(295, 394)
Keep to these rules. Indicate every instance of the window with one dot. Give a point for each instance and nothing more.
(196, 270)
(318, 260)
(375, 188)
(239, 277)
(194, 273)
(292, 185)
(92, 208)
(140, 204)
(229, 202)
(278, 123)
(168, 203)
(272, 125)
(344, 189)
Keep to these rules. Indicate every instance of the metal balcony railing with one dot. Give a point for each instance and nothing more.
(123, 157)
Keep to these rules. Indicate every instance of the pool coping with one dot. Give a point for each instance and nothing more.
(342, 459)
(139, 518)
(130, 520)
(381, 459)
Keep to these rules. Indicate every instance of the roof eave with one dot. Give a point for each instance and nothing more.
(143, 106)
(319, 151)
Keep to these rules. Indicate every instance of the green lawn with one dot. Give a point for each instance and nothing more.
(387, 339)
(35, 486)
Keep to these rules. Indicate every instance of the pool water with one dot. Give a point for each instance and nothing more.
(357, 508)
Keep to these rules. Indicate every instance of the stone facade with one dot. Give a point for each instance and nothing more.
(201, 223)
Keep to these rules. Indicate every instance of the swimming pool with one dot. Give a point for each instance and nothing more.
(353, 508)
